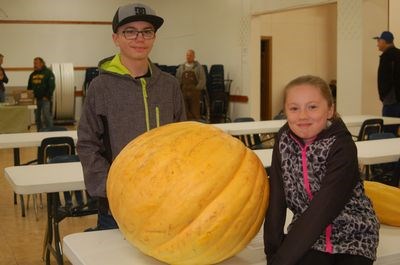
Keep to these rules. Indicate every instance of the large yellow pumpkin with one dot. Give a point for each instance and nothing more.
(188, 193)
(385, 200)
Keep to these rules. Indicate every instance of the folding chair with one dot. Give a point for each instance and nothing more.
(369, 127)
(386, 173)
(50, 148)
(252, 141)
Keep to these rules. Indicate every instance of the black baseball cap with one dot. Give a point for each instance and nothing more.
(386, 35)
(136, 12)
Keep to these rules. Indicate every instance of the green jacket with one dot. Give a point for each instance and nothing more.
(42, 83)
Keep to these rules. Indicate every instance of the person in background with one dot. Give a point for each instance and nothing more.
(192, 79)
(389, 78)
(3, 80)
(42, 82)
(129, 97)
(315, 174)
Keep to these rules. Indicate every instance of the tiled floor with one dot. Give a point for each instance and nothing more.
(21, 238)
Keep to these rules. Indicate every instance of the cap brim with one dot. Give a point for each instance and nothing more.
(156, 21)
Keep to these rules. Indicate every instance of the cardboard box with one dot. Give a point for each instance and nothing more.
(24, 97)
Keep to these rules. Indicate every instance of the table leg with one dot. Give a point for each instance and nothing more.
(49, 232)
(17, 162)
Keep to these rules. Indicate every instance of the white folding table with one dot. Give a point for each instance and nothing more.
(50, 179)
(110, 247)
(29, 139)
(378, 151)
(369, 152)
(273, 126)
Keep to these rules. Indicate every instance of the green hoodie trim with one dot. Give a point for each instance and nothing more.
(146, 106)
(158, 116)
(115, 66)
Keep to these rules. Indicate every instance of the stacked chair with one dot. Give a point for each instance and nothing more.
(219, 92)
(90, 74)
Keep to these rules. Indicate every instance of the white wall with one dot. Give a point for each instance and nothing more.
(303, 42)
(394, 20)
(217, 30)
(349, 84)
(378, 10)
(220, 31)
(263, 6)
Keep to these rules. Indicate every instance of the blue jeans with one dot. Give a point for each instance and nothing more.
(68, 197)
(392, 110)
(106, 221)
(43, 107)
(2, 95)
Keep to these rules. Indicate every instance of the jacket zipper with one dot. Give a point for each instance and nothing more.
(306, 181)
(146, 106)
(158, 116)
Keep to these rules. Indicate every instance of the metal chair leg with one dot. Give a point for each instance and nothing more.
(27, 201)
(45, 241)
(35, 206)
(22, 205)
(41, 201)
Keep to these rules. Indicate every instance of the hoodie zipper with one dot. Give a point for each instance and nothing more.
(146, 106)
(158, 116)
(306, 182)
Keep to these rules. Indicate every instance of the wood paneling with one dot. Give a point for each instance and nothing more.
(71, 22)
(238, 98)
(28, 69)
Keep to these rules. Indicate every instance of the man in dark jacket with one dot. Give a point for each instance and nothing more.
(129, 97)
(3, 80)
(42, 82)
(389, 77)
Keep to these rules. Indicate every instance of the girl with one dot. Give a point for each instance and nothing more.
(315, 174)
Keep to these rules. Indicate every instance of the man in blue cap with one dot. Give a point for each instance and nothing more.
(389, 77)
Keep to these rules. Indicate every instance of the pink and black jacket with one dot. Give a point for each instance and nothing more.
(320, 183)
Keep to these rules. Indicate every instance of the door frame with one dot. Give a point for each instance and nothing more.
(266, 105)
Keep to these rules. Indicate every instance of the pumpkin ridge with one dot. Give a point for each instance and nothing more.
(206, 205)
(246, 238)
(260, 214)
(216, 195)
(228, 227)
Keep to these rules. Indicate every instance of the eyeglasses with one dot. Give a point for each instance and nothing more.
(132, 34)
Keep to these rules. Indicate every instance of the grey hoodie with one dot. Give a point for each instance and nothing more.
(117, 109)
